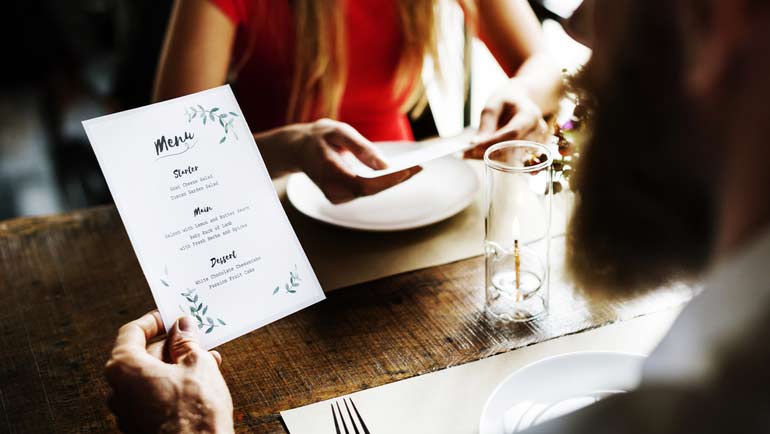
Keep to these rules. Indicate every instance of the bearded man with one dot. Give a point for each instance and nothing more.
(673, 184)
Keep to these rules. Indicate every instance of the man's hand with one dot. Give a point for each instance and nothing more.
(169, 386)
(508, 115)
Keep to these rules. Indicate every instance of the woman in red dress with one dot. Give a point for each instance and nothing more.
(316, 78)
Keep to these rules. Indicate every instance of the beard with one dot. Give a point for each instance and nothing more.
(644, 211)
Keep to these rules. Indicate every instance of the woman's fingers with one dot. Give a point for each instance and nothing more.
(369, 186)
(345, 136)
(332, 173)
(341, 185)
(335, 179)
(488, 122)
(495, 122)
(521, 126)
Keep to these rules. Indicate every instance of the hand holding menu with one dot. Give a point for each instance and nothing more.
(202, 214)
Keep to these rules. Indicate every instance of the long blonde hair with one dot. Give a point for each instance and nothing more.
(320, 61)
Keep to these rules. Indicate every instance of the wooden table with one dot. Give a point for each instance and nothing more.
(68, 282)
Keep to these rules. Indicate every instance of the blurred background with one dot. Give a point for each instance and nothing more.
(71, 60)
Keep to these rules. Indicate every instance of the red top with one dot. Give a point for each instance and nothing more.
(374, 45)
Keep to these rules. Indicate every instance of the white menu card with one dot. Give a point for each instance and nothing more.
(202, 214)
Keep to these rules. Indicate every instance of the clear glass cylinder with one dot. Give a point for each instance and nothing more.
(517, 201)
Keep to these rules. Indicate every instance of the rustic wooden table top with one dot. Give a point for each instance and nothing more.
(68, 282)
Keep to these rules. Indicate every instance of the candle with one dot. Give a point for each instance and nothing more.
(515, 230)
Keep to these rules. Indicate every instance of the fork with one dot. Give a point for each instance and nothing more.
(343, 422)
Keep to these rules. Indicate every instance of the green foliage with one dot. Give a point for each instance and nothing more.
(294, 281)
(198, 310)
(225, 120)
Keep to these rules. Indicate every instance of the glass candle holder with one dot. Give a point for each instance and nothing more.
(517, 200)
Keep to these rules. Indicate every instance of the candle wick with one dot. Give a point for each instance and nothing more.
(517, 261)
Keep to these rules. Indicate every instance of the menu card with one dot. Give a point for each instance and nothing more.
(202, 214)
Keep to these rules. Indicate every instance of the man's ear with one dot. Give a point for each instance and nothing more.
(716, 35)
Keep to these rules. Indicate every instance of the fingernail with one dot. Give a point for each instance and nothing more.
(379, 164)
(186, 324)
(478, 138)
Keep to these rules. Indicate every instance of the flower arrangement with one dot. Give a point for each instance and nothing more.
(568, 137)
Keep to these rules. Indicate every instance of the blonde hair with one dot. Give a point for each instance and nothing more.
(320, 66)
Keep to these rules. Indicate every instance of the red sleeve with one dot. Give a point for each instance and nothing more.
(235, 10)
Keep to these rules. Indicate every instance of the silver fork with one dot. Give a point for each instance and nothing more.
(341, 420)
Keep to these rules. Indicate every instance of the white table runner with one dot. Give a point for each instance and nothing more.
(450, 401)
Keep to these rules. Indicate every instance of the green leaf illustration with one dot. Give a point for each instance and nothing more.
(225, 120)
(294, 282)
(198, 309)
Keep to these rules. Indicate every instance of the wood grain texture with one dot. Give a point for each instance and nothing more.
(68, 282)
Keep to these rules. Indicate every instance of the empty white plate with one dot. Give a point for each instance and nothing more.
(556, 386)
(444, 188)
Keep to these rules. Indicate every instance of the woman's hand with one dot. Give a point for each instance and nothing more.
(508, 115)
(318, 149)
(168, 386)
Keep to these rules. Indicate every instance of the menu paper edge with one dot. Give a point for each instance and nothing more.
(119, 205)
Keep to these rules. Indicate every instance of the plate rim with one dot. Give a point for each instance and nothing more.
(435, 218)
(497, 388)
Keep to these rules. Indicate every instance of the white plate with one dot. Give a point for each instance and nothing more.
(556, 386)
(444, 188)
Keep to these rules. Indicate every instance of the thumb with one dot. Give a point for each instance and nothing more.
(488, 123)
(184, 341)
